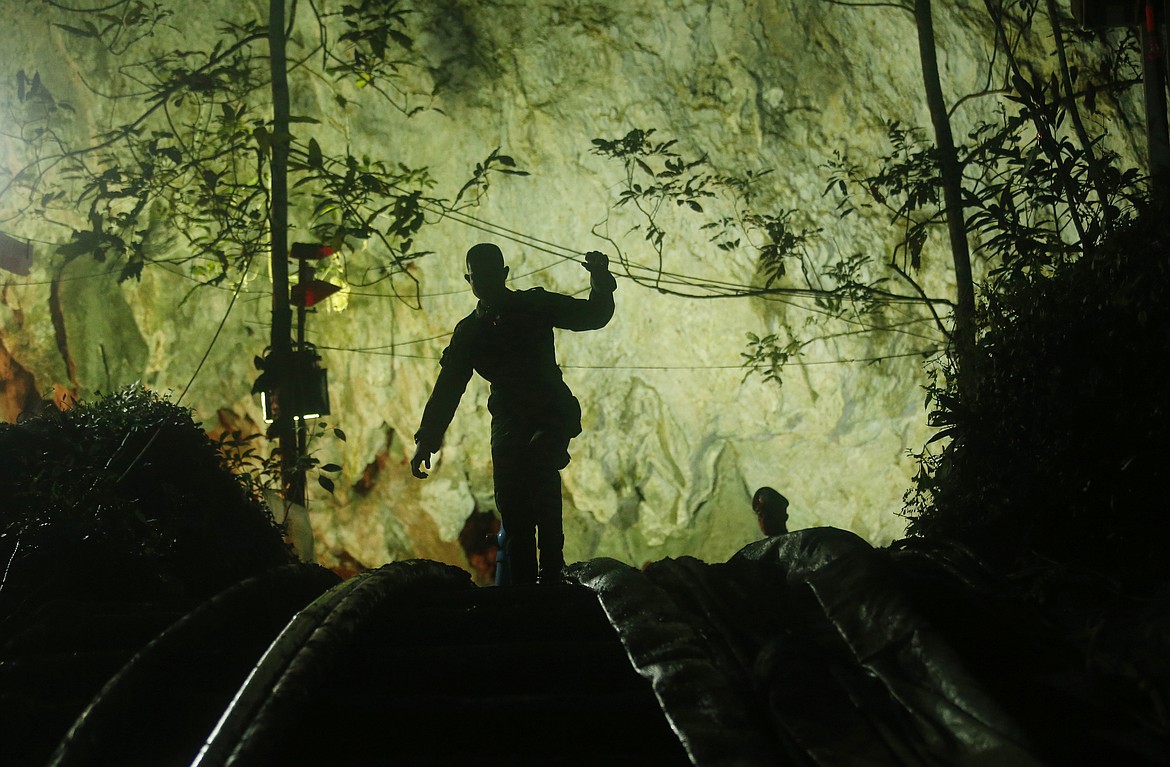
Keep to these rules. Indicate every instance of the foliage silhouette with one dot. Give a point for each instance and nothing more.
(126, 497)
(1058, 451)
(1048, 422)
(204, 165)
(1034, 192)
(183, 173)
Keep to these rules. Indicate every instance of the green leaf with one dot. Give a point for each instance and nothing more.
(325, 482)
(132, 270)
(948, 432)
(263, 138)
(92, 32)
(401, 39)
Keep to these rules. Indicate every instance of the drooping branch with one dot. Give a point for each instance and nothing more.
(156, 102)
(1094, 166)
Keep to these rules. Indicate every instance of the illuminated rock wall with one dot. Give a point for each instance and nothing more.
(675, 440)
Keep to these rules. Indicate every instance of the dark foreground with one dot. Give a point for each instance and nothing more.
(807, 649)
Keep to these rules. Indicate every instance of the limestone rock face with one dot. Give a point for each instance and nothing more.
(675, 440)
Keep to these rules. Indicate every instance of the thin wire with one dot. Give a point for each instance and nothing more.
(740, 290)
(215, 285)
(8, 567)
(776, 298)
(199, 367)
(560, 251)
(116, 269)
(388, 346)
(677, 280)
(448, 334)
(396, 355)
(795, 363)
(74, 278)
(218, 330)
(716, 288)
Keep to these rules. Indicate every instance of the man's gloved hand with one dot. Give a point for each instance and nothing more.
(596, 261)
(597, 264)
(422, 457)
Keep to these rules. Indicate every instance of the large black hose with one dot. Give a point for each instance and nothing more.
(158, 709)
(311, 646)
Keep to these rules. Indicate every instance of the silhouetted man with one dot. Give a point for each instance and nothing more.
(771, 511)
(508, 340)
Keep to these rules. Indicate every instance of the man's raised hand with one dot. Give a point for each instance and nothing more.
(596, 261)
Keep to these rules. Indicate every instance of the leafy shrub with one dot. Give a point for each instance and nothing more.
(126, 497)
(1058, 442)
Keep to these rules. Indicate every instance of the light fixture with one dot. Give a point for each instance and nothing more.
(312, 291)
(309, 290)
(299, 388)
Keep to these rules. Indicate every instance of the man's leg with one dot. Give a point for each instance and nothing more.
(503, 570)
(516, 514)
(520, 552)
(546, 500)
(549, 454)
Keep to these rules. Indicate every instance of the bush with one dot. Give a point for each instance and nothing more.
(126, 497)
(1057, 443)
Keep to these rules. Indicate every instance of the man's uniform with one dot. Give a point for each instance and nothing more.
(534, 415)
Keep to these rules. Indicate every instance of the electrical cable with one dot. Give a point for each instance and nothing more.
(715, 288)
(74, 278)
(795, 363)
(448, 334)
(218, 330)
(117, 269)
(191, 380)
(389, 346)
(772, 295)
(739, 290)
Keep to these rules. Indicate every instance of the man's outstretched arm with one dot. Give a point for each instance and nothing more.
(597, 310)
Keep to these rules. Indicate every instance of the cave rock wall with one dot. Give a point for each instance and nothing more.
(675, 439)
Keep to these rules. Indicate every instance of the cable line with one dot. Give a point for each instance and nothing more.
(736, 290)
(218, 329)
(739, 290)
(191, 380)
(372, 349)
(795, 363)
(715, 288)
(712, 288)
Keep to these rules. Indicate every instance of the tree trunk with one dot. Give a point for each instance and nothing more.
(292, 479)
(963, 337)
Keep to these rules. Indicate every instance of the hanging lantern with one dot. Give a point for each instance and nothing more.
(297, 386)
